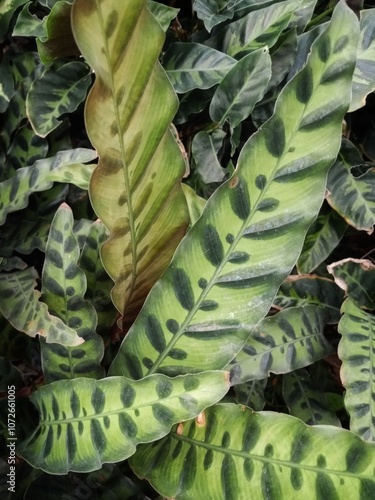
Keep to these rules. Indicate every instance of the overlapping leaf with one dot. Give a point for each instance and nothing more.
(282, 343)
(231, 452)
(226, 272)
(135, 190)
(20, 305)
(86, 422)
(194, 202)
(162, 13)
(66, 166)
(251, 394)
(63, 290)
(352, 196)
(205, 149)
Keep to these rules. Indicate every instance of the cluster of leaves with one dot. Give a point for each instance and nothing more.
(176, 299)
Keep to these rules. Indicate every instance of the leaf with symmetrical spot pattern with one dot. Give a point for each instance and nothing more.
(85, 423)
(231, 452)
(226, 272)
(135, 190)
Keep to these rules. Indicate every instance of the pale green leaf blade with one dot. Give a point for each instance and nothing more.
(162, 13)
(194, 202)
(322, 238)
(291, 339)
(20, 305)
(135, 190)
(364, 73)
(356, 351)
(205, 149)
(193, 65)
(29, 24)
(261, 456)
(242, 87)
(85, 423)
(352, 196)
(306, 401)
(64, 167)
(251, 394)
(63, 290)
(56, 92)
(226, 272)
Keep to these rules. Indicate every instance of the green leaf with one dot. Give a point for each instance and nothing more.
(364, 73)
(85, 423)
(26, 148)
(192, 65)
(232, 452)
(205, 148)
(306, 401)
(255, 30)
(135, 189)
(66, 166)
(63, 290)
(356, 351)
(241, 88)
(29, 24)
(7, 9)
(322, 238)
(20, 305)
(297, 291)
(195, 203)
(282, 58)
(352, 196)
(162, 13)
(56, 92)
(290, 339)
(248, 239)
(212, 12)
(251, 394)
(357, 278)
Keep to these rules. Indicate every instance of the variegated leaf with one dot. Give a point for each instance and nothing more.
(205, 150)
(251, 393)
(162, 13)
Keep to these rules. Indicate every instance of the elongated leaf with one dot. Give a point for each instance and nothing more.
(251, 394)
(135, 190)
(282, 343)
(26, 148)
(20, 305)
(232, 452)
(243, 86)
(63, 290)
(192, 65)
(322, 238)
(85, 422)
(306, 400)
(255, 30)
(364, 73)
(357, 278)
(226, 272)
(314, 290)
(205, 149)
(56, 92)
(352, 197)
(64, 167)
(356, 351)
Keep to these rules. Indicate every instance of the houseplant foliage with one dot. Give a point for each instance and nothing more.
(176, 298)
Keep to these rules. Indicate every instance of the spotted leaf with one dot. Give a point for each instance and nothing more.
(230, 451)
(135, 190)
(226, 272)
(85, 423)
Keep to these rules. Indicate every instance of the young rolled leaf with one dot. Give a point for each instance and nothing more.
(226, 272)
(231, 452)
(63, 290)
(66, 166)
(85, 423)
(356, 351)
(20, 305)
(282, 343)
(135, 189)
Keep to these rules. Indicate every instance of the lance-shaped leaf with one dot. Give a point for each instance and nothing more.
(66, 166)
(314, 290)
(227, 270)
(26, 148)
(356, 351)
(243, 86)
(193, 65)
(20, 305)
(306, 401)
(135, 190)
(86, 422)
(63, 290)
(322, 238)
(55, 92)
(352, 197)
(282, 343)
(231, 452)
(364, 73)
